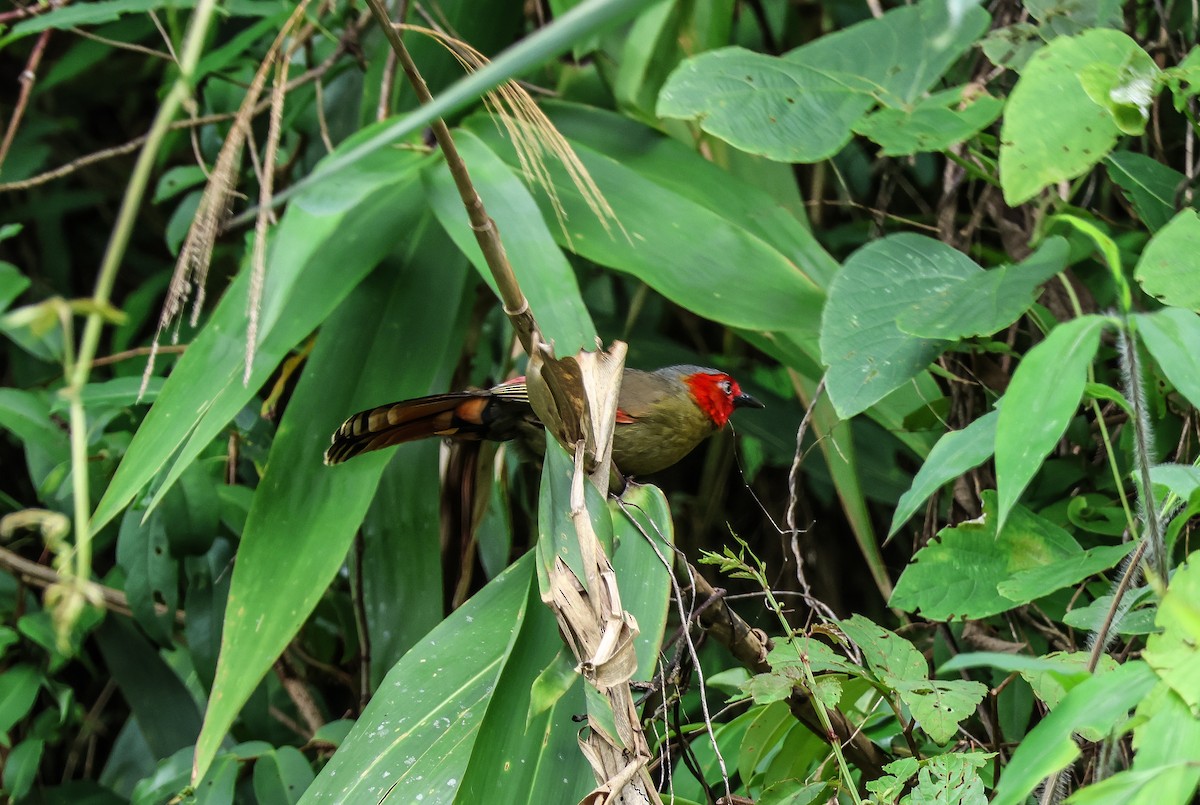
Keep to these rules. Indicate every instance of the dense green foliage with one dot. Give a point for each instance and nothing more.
(953, 246)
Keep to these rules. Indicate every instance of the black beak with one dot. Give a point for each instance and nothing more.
(746, 401)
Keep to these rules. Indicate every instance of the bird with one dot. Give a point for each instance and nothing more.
(661, 417)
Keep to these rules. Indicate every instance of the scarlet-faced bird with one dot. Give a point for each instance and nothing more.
(661, 417)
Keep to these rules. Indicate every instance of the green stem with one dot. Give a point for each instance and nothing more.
(113, 254)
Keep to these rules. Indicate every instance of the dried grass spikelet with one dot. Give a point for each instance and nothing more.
(533, 136)
(195, 256)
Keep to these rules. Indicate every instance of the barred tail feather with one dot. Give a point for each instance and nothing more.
(395, 423)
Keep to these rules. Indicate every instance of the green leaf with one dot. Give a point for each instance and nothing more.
(1038, 582)
(281, 776)
(1173, 654)
(952, 779)
(801, 107)
(1172, 336)
(1099, 703)
(867, 354)
(955, 453)
(1040, 401)
(767, 105)
(1052, 130)
(18, 689)
(890, 656)
(940, 705)
(957, 575)
(305, 514)
(12, 284)
(1182, 479)
(1126, 91)
(986, 301)
(1150, 186)
(165, 710)
(21, 766)
(541, 269)
(1165, 269)
(934, 124)
(551, 685)
(1050, 686)
(402, 558)
(151, 573)
(1008, 663)
(1127, 618)
(415, 737)
(103, 11)
(762, 738)
(696, 260)
(672, 165)
(643, 537)
(315, 260)
(1167, 746)
(511, 764)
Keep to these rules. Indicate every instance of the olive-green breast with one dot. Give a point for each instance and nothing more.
(667, 424)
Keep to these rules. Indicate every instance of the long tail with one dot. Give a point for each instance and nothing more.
(464, 415)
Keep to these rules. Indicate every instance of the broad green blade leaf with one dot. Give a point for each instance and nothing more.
(1166, 269)
(585, 19)
(1052, 130)
(402, 558)
(1167, 743)
(643, 537)
(1009, 663)
(304, 513)
(1037, 582)
(165, 710)
(541, 268)
(867, 354)
(1040, 401)
(957, 575)
(515, 759)
(327, 241)
(934, 124)
(762, 737)
(1100, 703)
(1173, 653)
(556, 530)
(677, 168)
(986, 301)
(697, 259)
(415, 738)
(1173, 337)
(1149, 185)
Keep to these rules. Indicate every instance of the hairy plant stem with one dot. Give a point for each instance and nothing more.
(79, 369)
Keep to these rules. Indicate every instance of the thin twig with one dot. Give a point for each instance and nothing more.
(27, 79)
(40, 576)
(138, 352)
(204, 120)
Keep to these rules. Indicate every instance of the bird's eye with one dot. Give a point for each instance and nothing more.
(726, 386)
